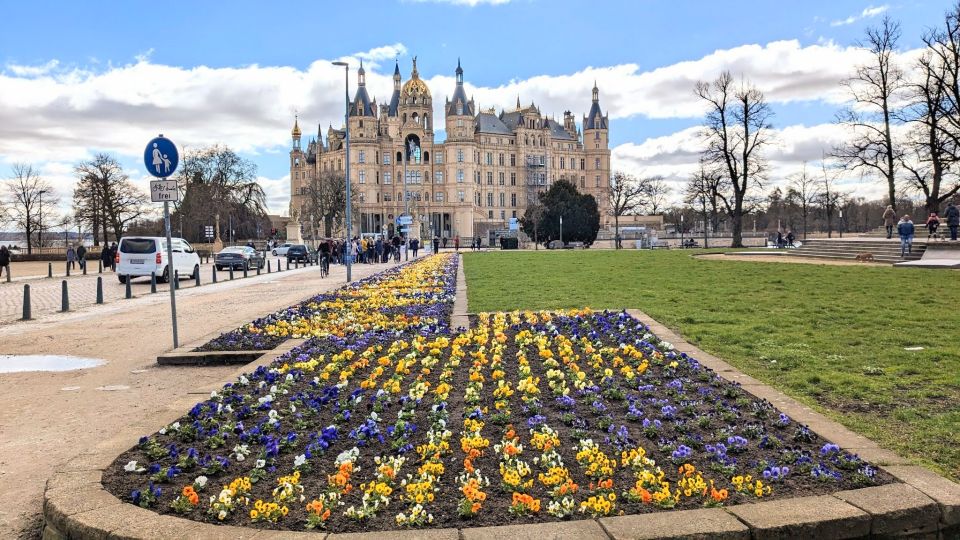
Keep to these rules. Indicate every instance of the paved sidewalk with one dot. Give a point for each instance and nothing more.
(48, 417)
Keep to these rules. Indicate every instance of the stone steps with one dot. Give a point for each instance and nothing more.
(882, 250)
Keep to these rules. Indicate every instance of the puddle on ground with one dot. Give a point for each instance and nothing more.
(16, 363)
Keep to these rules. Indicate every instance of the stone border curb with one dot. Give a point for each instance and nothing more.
(925, 505)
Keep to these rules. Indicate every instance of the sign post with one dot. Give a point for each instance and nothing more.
(161, 159)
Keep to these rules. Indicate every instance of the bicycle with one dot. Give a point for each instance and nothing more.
(324, 266)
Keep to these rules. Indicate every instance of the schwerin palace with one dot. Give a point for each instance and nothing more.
(489, 168)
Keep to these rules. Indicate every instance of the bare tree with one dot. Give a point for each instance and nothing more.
(218, 183)
(27, 193)
(804, 192)
(656, 192)
(702, 191)
(874, 88)
(626, 195)
(829, 198)
(325, 201)
(736, 129)
(105, 199)
(943, 48)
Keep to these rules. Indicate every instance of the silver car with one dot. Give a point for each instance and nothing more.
(239, 257)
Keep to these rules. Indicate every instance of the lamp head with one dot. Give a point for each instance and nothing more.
(344, 64)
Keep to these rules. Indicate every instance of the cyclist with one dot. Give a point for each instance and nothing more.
(324, 258)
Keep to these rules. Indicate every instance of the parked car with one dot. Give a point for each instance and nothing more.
(139, 256)
(281, 250)
(300, 252)
(240, 257)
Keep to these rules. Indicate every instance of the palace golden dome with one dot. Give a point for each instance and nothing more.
(415, 87)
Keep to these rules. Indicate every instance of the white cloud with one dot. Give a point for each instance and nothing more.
(61, 115)
(867, 13)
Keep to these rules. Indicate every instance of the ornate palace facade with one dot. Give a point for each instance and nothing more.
(486, 171)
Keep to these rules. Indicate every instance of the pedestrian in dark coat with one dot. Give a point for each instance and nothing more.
(4, 260)
(905, 229)
(106, 257)
(953, 219)
(82, 256)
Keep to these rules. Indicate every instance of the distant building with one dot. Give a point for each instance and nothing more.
(489, 168)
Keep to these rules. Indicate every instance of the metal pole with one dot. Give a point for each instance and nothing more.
(64, 297)
(561, 232)
(26, 303)
(153, 282)
(173, 295)
(406, 205)
(99, 290)
(346, 120)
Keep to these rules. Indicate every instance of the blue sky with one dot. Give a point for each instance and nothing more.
(513, 46)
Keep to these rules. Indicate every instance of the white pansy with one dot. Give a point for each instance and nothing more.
(299, 460)
(201, 481)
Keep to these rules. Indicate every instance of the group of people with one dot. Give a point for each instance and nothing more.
(784, 241)
(906, 228)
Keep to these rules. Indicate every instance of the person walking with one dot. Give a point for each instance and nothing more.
(790, 238)
(933, 223)
(113, 256)
(71, 258)
(478, 243)
(415, 246)
(82, 257)
(953, 219)
(106, 257)
(889, 220)
(4, 260)
(905, 229)
(436, 244)
(456, 243)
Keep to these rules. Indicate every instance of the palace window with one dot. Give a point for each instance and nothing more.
(438, 177)
(361, 196)
(476, 178)
(596, 163)
(460, 195)
(503, 199)
(583, 181)
(598, 180)
(388, 196)
(387, 178)
(489, 199)
(459, 176)
(501, 179)
(501, 159)
(513, 160)
(513, 199)
(489, 214)
(459, 155)
(438, 196)
(513, 179)
(459, 107)
(563, 164)
(489, 178)
(583, 164)
(459, 122)
(362, 176)
(386, 158)
(439, 158)
(478, 199)
(362, 156)
(489, 158)
(503, 214)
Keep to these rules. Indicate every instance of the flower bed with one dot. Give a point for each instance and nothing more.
(417, 296)
(527, 417)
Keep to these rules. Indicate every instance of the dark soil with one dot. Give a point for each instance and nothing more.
(708, 410)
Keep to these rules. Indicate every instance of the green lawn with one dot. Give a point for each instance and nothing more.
(831, 336)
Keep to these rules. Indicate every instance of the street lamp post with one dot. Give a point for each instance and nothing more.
(841, 223)
(40, 218)
(346, 120)
(561, 232)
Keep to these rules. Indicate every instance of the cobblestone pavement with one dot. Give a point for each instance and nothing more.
(46, 293)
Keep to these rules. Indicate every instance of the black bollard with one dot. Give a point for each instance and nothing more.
(258, 269)
(8, 272)
(231, 272)
(129, 293)
(99, 266)
(214, 274)
(288, 264)
(268, 266)
(49, 269)
(68, 269)
(153, 282)
(196, 282)
(99, 290)
(176, 280)
(64, 297)
(83, 266)
(244, 270)
(26, 302)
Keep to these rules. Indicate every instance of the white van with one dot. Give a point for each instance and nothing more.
(142, 255)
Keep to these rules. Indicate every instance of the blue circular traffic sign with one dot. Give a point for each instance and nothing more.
(161, 157)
